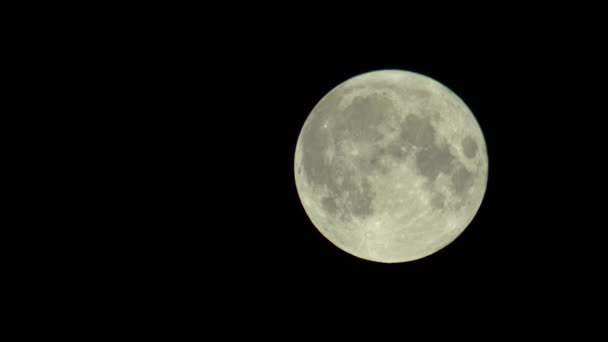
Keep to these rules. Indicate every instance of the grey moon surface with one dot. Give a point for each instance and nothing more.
(391, 166)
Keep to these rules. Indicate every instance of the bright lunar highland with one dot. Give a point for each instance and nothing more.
(391, 166)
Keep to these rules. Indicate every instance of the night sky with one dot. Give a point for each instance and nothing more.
(147, 169)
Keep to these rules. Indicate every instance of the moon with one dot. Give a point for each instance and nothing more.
(391, 166)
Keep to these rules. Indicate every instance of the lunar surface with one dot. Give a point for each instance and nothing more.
(391, 166)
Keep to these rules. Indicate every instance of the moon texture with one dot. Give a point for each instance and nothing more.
(391, 166)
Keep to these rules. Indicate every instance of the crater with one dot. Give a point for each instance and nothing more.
(351, 195)
(359, 121)
(438, 201)
(407, 95)
(329, 204)
(462, 180)
(315, 140)
(469, 146)
(418, 131)
(417, 93)
(432, 160)
(374, 163)
(358, 198)
(356, 128)
(396, 150)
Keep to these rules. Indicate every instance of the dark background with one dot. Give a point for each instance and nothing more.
(147, 168)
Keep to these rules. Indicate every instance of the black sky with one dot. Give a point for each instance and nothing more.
(148, 165)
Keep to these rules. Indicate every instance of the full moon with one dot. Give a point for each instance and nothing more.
(391, 166)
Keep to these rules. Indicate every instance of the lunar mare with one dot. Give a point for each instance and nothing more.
(391, 166)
